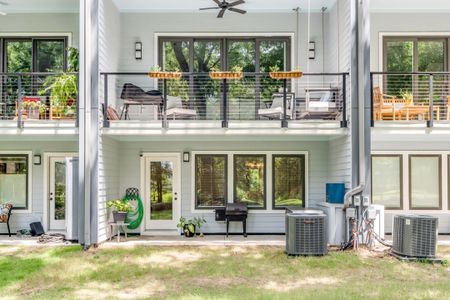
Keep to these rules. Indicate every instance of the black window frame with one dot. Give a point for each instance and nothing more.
(197, 207)
(264, 207)
(27, 190)
(303, 161)
(34, 40)
(400, 157)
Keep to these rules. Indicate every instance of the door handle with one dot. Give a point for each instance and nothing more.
(51, 196)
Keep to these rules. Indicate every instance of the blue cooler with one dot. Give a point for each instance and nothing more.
(335, 192)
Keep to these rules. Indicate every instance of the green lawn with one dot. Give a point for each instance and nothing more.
(213, 273)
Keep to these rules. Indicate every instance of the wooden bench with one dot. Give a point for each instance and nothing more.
(5, 215)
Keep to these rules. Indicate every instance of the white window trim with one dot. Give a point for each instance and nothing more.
(230, 182)
(30, 179)
(69, 35)
(405, 169)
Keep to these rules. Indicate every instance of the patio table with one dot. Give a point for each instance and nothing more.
(118, 226)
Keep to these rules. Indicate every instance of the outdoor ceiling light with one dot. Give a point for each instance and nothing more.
(312, 50)
(37, 159)
(186, 156)
(138, 50)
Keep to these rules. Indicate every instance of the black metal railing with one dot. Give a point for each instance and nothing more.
(414, 96)
(195, 96)
(38, 96)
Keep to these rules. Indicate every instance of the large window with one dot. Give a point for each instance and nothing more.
(210, 181)
(250, 180)
(288, 180)
(425, 181)
(33, 54)
(387, 181)
(413, 54)
(14, 180)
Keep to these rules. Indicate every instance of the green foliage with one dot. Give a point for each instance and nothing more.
(189, 224)
(63, 91)
(19, 56)
(199, 221)
(120, 205)
(275, 68)
(73, 57)
(155, 68)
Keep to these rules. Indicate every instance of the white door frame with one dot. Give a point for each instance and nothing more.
(46, 183)
(149, 225)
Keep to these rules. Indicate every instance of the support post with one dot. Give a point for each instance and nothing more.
(372, 121)
(164, 122)
(344, 101)
(224, 104)
(19, 102)
(284, 122)
(431, 112)
(106, 103)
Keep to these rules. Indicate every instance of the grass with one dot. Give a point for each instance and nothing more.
(213, 273)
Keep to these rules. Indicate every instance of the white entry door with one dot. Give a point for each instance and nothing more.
(162, 198)
(57, 196)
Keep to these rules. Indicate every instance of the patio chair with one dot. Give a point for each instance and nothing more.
(326, 103)
(386, 107)
(175, 109)
(133, 95)
(5, 215)
(276, 109)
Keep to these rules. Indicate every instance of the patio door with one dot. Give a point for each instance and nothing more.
(162, 191)
(57, 196)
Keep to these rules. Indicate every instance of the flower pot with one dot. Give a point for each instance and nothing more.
(186, 231)
(165, 75)
(119, 216)
(285, 75)
(225, 75)
(33, 113)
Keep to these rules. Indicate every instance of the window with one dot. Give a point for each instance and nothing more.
(387, 181)
(34, 54)
(14, 180)
(414, 54)
(250, 180)
(210, 181)
(425, 181)
(288, 180)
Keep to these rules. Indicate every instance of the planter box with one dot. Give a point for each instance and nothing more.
(225, 75)
(165, 75)
(286, 75)
(119, 216)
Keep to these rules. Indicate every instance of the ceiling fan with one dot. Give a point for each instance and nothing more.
(3, 4)
(224, 6)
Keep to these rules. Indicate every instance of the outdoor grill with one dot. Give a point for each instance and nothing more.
(237, 212)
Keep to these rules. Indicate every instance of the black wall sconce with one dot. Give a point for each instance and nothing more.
(37, 160)
(312, 50)
(138, 50)
(186, 156)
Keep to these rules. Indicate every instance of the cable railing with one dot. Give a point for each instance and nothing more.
(38, 97)
(415, 96)
(195, 97)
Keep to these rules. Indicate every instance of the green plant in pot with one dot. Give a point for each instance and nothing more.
(198, 222)
(187, 226)
(121, 209)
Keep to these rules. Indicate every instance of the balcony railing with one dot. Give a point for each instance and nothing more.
(412, 96)
(38, 97)
(195, 97)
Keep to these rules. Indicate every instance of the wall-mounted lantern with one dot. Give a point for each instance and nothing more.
(138, 50)
(312, 50)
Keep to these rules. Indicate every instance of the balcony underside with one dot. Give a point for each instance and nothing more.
(38, 130)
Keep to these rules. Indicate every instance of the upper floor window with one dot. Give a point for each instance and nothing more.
(33, 54)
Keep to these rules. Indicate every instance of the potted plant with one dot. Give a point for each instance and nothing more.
(156, 72)
(198, 222)
(275, 73)
(33, 107)
(63, 90)
(235, 73)
(187, 226)
(121, 209)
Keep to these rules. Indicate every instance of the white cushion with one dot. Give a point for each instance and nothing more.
(181, 111)
(326, 97)
(174, 102)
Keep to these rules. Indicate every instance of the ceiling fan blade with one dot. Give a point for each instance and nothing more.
(238, 10)
(218, 2)
(3, 3)
(236, 3)
(205, 8)
(220, 15)
(2, 13)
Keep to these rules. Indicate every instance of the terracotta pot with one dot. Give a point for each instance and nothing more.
(225, 75)
(285, 75)
(165, 75)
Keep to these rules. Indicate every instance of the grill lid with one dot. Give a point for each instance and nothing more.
(236, 208)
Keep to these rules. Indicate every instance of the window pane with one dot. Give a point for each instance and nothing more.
(386, 180)
(431, 56)
(161, 190)
(13, 180)
(400, 58)
(50, 56)
(175, 56)
(289, 180)
(60, 190)
(206, 55)
(425, 181)
(242, 54)
(249, 180)
(19, 56)
(210, 180)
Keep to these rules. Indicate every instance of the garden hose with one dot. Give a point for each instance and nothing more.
(134, 218)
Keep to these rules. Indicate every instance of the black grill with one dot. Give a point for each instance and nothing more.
(236, 212)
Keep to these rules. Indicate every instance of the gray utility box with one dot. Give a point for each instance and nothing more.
(336, 222)
(415, 235)
(306, 232)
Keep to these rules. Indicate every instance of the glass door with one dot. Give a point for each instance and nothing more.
(162, 187)
(57, 193)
